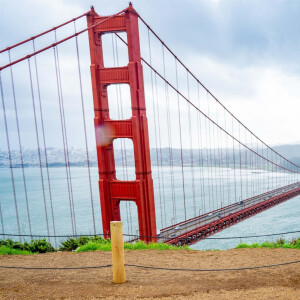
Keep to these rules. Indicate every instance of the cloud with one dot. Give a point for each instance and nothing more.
(244, 52)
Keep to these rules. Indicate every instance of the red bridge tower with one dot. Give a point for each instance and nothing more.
(112, 191)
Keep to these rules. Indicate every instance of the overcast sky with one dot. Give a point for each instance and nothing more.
(246, 52)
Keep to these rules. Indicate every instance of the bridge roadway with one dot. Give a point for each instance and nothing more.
(191, 231)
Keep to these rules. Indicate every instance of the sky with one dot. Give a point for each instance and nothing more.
(246, 52)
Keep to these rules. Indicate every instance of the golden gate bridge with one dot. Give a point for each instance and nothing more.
(211, 171)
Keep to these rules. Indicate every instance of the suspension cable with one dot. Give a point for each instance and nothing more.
(208, 91)
(44, 141)
(155, 133)
(85, 132)
(204, 114)
(65, 133)
(63, 138)
(61, 41)
(9, 156)
(20, 144)
(43, 33)
(38, 144)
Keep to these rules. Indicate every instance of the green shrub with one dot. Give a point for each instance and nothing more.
(74, 243)
(39, 246)
(70, 244)
(11, 244)
(35, 246)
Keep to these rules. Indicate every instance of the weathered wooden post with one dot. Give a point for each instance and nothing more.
(117, 248)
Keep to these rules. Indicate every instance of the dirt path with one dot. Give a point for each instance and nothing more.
(273, 283)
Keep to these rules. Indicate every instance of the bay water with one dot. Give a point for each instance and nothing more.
(205, 190)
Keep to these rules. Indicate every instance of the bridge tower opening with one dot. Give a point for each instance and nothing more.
(112, 191)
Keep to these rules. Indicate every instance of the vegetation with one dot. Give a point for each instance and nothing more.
(74, 243)
(96, 243)
(4, 250)
(106, 246)
(35, 246)
(81, 244)
(281, 243)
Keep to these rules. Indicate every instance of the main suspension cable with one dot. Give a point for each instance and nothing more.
(208, 91)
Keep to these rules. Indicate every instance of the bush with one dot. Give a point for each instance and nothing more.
(35, 246)
(70, 244)
(73, 243)
(39, 246)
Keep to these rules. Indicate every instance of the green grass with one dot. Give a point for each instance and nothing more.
(81, 244)
(4, 250)
(281, 243)
(96, 246)
(97, 243)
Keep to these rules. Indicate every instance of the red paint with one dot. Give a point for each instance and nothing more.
(216, 226)
(112, 191)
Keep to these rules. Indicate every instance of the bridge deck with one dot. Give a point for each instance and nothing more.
(191, 231)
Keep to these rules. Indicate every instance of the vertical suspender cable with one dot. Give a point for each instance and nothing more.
(38, 146)
(44, 142)
(155, 132)
(180, 138)
(246, 166)
(234, 166)
(207, 172)
(65, 133)
(214, 163)
(10, 159)
(191, 146)
(227, 160)
(210, 167)
(240, 157)
(200, 154)
(20, 144)
(64, 145)
(160, 152)
(167, 102)
(2, 222)
(85, 134)
(220, 157)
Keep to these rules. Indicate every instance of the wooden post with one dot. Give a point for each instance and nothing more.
(117, 249)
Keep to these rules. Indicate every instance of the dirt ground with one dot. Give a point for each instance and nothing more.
(272, 283)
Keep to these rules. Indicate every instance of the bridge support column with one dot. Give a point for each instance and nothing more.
(112, 191)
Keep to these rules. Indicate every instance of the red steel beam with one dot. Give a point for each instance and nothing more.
(200, 233)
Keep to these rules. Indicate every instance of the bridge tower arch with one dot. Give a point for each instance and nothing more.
(112, 191)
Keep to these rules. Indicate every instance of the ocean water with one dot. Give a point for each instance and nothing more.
(205, 190)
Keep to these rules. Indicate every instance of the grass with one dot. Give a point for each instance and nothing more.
(81, 244)
(281, 243)
(97, 243)
(96, 246)
(4, 250)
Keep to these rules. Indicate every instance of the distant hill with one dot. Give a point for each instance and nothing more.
(158, 156)
(291, 152)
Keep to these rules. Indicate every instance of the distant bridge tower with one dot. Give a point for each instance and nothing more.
(112, 191)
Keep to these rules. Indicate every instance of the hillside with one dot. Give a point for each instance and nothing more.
(282, 282)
